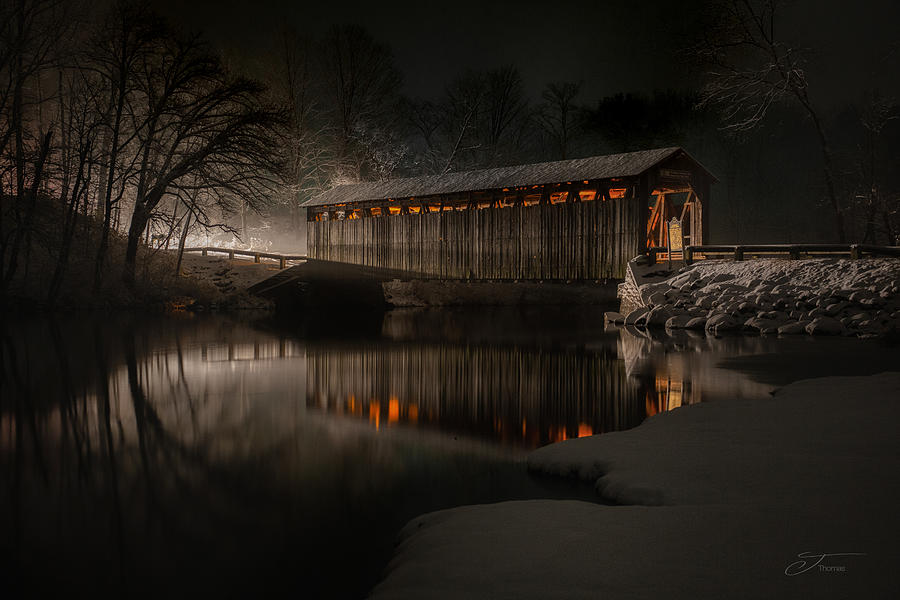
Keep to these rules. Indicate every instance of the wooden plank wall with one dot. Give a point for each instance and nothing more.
(571, 241)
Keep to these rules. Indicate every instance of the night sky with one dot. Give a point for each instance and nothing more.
(610, 46)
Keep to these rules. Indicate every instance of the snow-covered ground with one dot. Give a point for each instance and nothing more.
(815, 296)
(791, 497)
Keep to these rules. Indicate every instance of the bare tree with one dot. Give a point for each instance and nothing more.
(121, 45)
(505, 107)
(309, 157)
(752, 69)
(30, 36)
(197, 126)
(559, 116)
(362, 85)
(478, 123)
(79, 125)
(880, 203)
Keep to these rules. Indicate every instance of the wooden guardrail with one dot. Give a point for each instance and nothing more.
(794, 251)
(256, 256)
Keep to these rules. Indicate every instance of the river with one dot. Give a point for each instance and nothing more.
(208, 454)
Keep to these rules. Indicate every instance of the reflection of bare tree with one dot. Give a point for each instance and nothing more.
(92, 472)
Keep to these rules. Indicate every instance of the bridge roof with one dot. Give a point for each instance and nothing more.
(594, 168)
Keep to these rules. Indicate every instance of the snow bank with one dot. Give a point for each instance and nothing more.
(817, 296)
(565, 549)
(817, 440)
(748, 486)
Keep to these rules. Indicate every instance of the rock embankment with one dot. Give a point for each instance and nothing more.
(769, 296)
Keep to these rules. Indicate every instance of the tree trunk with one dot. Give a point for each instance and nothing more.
(184, 234)
(829, 174)
(23, 234)
(139, 221)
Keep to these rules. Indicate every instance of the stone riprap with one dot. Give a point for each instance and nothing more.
(774, 296)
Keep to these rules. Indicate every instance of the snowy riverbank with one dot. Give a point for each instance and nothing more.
(815, 296)
(789, 497)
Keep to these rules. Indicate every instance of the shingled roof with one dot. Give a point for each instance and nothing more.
(628, 164)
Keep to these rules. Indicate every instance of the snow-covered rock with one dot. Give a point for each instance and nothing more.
(825, 326)
(696, 323)
(658, 316)
(835, 296)
(721, 323)
(794, 328)
(680, 321)
(636, 316)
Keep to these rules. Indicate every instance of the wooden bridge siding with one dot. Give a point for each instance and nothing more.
(578, 241)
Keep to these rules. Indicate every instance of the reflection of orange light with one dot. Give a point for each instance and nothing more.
(351, 403)
(523, 427)
(413, 412)
(584, 430)
(650, 405)
(558, 433)
(393, 410)
(375, 413)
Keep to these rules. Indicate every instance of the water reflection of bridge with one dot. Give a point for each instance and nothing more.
(517, 394)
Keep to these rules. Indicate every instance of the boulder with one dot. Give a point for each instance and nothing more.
(763, 325)
(680, 321)
(613, 317)
(794, 328)
(722, 322)
(696, 323)
(636, 316)
(824, 326)
(658, 316)
(836, 307)
(657, 299)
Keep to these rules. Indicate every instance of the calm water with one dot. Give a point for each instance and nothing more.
(211, 455)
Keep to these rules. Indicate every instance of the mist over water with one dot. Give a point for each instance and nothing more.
(209, 454)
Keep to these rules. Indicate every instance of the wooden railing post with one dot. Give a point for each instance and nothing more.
(689, 255)
(738, 253)
(795, 252)
(204, 251)
(231, 254)
(256, 258)
(854, 252)
(281, 263)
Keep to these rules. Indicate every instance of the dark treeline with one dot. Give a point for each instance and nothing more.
(119, 132)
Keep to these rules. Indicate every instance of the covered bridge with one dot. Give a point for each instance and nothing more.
(579, 219)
